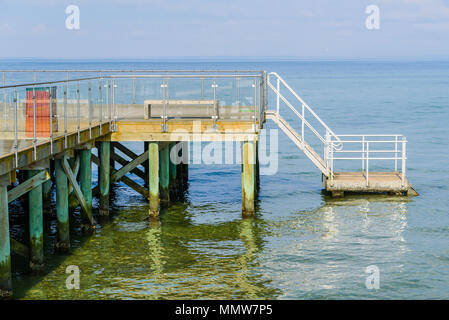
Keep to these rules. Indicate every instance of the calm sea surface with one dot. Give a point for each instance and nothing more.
(301, 244)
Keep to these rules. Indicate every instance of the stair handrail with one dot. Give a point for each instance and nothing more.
(337, 144)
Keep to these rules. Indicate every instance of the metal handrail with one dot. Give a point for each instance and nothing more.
(337, 146)
(109, 79)
(366, 152)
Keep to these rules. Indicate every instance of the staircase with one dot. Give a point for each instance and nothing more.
(331, 142)
(297, 139)
(391, 148)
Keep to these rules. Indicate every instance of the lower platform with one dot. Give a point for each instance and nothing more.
(377, 182)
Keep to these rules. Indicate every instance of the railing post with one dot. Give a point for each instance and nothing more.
(302, 125)
(78, 112)
(89, 106)
(34, 123)
(4, 103)
(164, 110)
(331, 148)
(100, 98)
(16, 129)
(65, 114)
(238, 91)
(202, 88)
(50, 103)
(134, 90)
(326, 150)
(395, 153)
(278, 89)
(255, 103)
(404, 155)
(363, 153)
(114, 105)
(108, 102)
(367, 163)
(215, 116)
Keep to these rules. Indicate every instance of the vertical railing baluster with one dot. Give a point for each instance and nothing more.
(363, 153)
(278, 88)
(255, 103)
(34, 123)
(16, 129)
(108, 102)
(367, 163)
(395, 153)
(302, 123)
(215, 116)
(89, 106)
(50, 107)
(114, 104)
(164, 106)
(66, 89)
(5, 111)
(404, 157)
(202, 88)
(238, 91)
(134, 90)
(78, 111)
(100, 98)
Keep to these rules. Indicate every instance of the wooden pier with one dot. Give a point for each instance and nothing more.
(31, 161)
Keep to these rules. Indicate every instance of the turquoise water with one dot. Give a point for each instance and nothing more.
(301, 244)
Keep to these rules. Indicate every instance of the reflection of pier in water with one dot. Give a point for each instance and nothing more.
(176, 259)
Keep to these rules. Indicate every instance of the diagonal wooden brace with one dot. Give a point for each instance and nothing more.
(77, 190)
(129, 182)
(76, 168)
(125, 150)
(124, 162)
(28, 185)
(130, 166)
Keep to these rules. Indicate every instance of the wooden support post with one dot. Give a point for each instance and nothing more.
(185, 164)
(62, 207)
(257, 168)
(5, 249)
(164, 174)
(153, 166)
(46, 193)
(173, 172)
(86, 177)
(248, 178)
(104, 153)
(46, 189)
(36, 226)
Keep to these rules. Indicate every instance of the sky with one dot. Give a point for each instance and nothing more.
(226, 28)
